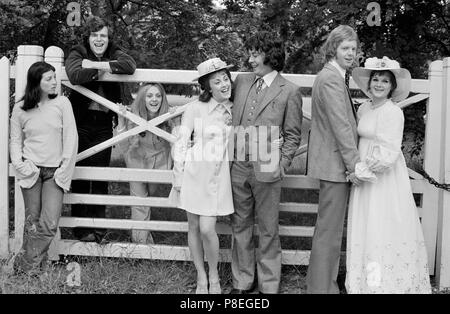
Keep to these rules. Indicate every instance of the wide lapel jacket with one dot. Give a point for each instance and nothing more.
(280, 107)
(273, 91)
(242, 86)
(332, 147)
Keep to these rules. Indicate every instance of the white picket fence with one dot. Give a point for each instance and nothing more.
(434, 208)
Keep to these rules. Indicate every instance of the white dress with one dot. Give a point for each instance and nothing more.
(386, 251)
(203, 170)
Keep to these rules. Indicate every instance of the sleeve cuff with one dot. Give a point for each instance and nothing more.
(285, 164)
(27, 174)
(363, 172)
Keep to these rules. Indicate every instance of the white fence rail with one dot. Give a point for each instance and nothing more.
(437, 235)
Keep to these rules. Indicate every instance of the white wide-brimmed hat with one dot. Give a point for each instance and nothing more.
(402, 76)
(210, 66)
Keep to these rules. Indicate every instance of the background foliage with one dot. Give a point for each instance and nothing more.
(179, 34)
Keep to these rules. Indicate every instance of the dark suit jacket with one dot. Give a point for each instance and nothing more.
(120, 63)
(281, 107)
(332, 147)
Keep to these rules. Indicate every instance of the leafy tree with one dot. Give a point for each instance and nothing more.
(179, 34)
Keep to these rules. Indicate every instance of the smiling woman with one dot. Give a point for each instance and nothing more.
(395, 260)
(202, 186)
(381, 85)
(146, 150)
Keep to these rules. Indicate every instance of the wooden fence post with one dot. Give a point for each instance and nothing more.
(4, 157)
(443, 247)
(432, 160)
(55, 56)
(26, 56)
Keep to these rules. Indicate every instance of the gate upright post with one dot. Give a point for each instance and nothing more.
(4, 157)
(443, 246)
(432, 160)
(55, 56)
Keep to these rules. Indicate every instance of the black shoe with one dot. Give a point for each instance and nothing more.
(248, 291)
(22, 267)
(240, 291)
(341, 282)
(101, 237)
(90, 237)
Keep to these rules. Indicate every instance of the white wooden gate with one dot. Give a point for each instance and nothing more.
(434, 208)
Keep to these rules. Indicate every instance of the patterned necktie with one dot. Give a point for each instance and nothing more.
(259, 84)
(347, 78)
(226, 114)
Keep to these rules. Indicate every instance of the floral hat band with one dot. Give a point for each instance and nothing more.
(381, 64)
(210, 66)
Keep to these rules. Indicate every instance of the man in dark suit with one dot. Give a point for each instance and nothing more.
(332, 155)
(268, 104)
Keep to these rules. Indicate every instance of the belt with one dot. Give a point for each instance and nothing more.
(247, 157)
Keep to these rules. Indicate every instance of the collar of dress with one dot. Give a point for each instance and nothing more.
(213, 104)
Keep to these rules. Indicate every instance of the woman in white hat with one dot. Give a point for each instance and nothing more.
(201, 172)
(385, 246)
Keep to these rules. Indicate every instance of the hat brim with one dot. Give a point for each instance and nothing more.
(402, 76)
(215, 70)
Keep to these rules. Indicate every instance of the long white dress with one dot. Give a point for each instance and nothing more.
(386, 251)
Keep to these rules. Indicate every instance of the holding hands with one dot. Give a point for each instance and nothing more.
(121, 116)
(351, 177)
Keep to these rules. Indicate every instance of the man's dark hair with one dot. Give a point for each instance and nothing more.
(271, 45)
(94, 24)
(33, 88)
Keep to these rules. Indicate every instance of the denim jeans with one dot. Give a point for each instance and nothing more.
(95, 129)
(43, 204)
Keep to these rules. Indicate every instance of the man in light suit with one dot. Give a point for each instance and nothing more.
(332, 155)
(262, 100)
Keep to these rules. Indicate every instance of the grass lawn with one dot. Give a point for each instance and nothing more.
(100, 275)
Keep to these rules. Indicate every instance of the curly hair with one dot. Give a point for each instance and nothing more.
(387, 73)
(271, 45)
(94, 24)
(335, 38)
(33, 88)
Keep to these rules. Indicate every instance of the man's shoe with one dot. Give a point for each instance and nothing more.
(90, 237)
(341, 282)
(242, 291)
(239, 291)
(101, 237)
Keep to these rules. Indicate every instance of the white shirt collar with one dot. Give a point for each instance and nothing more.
(212, 104)
(269, 77)
(338, 67)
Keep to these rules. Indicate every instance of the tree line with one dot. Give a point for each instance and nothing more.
(179, 34)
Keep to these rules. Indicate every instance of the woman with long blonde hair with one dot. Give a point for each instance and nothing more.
(146, 150)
